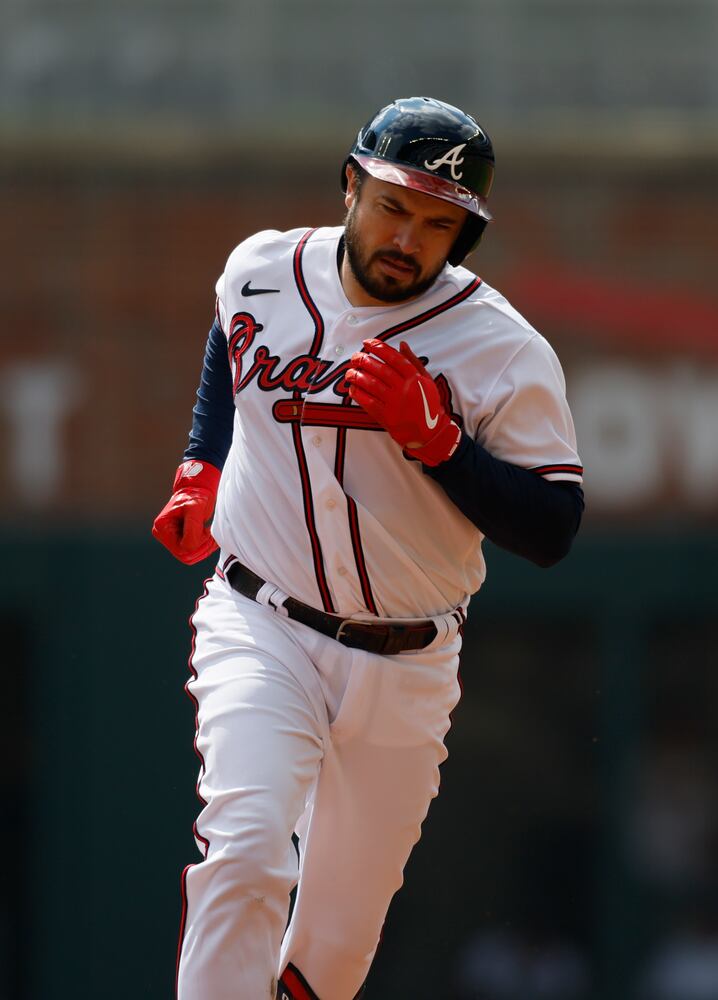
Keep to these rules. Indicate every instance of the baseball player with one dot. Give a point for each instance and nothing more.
(368, 411)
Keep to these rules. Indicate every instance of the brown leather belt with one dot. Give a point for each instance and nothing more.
(386, 638)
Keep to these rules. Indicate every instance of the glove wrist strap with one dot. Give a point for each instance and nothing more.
(196, 475)
(440, 448)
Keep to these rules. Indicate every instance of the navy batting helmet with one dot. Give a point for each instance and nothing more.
(434, 148)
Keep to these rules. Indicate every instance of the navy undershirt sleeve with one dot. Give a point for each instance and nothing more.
(517, 509)
(213, 413)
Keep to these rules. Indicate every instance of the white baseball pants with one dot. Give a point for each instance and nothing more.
(297, 732)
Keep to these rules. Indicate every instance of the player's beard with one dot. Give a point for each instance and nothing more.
(382, 286)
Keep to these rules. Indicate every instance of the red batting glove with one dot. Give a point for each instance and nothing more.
(183, 524)
(398, 392)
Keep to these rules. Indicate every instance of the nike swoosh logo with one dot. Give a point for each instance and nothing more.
(431, 422)
(246, 290)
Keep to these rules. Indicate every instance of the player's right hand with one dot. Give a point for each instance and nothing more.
(183, 524)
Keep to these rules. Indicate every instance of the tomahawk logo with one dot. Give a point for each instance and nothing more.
(453, 158)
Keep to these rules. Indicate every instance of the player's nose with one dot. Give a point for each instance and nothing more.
(406, 237)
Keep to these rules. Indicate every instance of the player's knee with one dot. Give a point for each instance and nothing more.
(254, 852)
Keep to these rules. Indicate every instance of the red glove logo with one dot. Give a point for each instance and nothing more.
(399, 393)
(431, 422)
(183, 524)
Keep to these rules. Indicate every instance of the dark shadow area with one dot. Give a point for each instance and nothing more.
(17, 774)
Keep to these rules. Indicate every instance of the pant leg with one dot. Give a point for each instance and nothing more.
(379, 775)
(260, 737)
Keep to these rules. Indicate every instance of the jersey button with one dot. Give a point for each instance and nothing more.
(342, 571)
(339, 349)
(316, 440)
(352, 320)
(330, 504)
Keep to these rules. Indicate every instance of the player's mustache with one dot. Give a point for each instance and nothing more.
(398, 256)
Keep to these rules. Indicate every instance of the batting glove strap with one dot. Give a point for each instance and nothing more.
(197, 475)
(440, 448)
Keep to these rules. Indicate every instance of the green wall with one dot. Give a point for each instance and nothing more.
(556, 673)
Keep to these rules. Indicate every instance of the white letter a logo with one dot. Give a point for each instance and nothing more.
(454, 160)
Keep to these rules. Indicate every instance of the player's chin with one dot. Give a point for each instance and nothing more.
(394, 283)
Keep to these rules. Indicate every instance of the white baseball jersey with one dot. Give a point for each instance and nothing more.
(317, 498)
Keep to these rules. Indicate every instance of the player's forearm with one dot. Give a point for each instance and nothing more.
(213, 413)
(517, 509)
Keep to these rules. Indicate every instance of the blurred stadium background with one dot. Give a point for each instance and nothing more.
(573, 853)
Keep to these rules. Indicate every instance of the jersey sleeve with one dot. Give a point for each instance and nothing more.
(253, 250)
(529, 422)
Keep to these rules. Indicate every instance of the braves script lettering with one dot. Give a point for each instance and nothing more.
(305, 372)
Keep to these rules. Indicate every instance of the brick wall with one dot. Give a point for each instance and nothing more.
(108, 294)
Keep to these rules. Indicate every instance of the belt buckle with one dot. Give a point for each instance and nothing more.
(347, 632)
(340, 630)
(361, 635)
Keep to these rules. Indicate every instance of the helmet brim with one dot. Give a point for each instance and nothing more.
(423, 182)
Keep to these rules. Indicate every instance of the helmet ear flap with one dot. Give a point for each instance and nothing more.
(467, 240)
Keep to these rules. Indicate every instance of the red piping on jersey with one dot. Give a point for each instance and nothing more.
(340, 454)
(359, 553)
(409, 324)
(317, 555)
(198, 836)
(353, 513)
(545, 470)
(306, 297)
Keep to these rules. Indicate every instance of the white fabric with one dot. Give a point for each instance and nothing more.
(298, 731)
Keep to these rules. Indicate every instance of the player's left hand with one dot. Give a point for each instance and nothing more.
(395, 389)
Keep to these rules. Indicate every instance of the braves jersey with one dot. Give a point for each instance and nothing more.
(317, 498)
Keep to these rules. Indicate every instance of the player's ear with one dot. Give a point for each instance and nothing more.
(352, 187)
